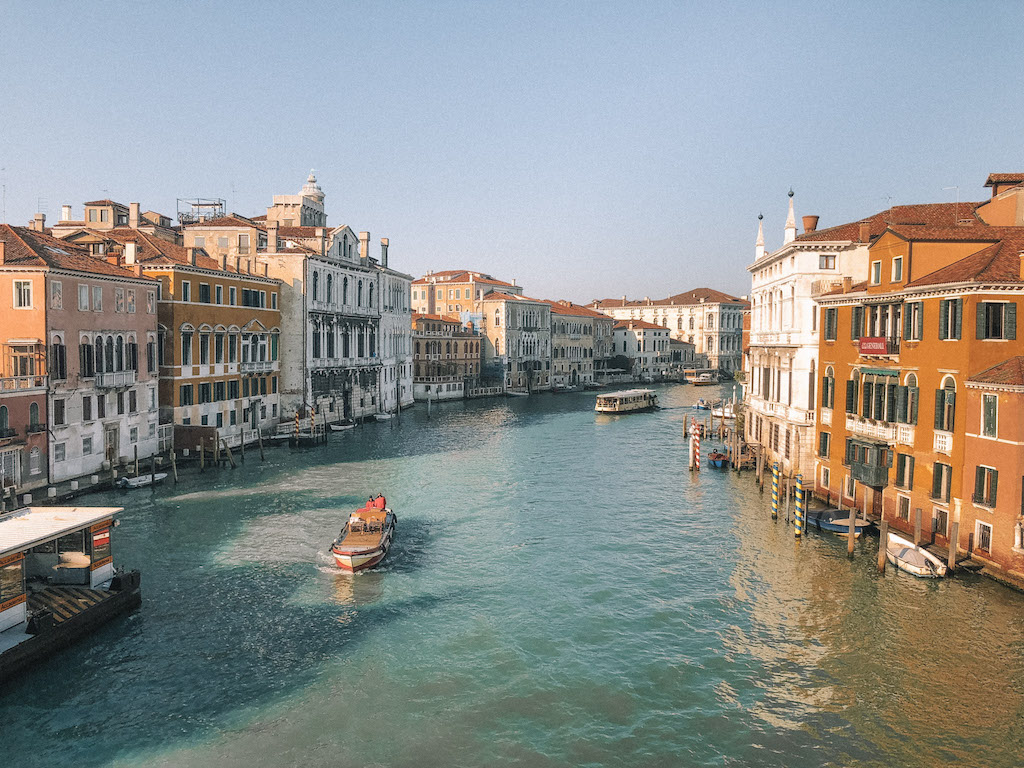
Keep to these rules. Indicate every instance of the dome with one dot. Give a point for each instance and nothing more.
(312, 189)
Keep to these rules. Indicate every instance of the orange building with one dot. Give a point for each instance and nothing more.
(446, 357)
(904, 358)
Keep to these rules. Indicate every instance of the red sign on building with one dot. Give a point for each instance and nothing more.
(873, 345)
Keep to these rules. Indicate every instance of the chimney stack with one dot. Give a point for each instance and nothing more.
(384, 252)
(65, 213)
(623, 300)
(39, 222)
(847, 283)
(130, 253)
(272, 236)
(238, 264)
(2, 253)
(224, 262)
(190, 254)
(810, 223)
(321, 235)
(133, 215)
(1021, 273)
(865, 232)
(364, 248)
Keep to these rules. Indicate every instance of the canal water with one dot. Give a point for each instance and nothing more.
(562, 592)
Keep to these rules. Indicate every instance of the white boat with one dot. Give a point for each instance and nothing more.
(723, 411)
(141, 481)
(705, 379)
(904, 555)
(366, 537)
(383, 416)
(514, 393)
(341, 427)
(627, 401)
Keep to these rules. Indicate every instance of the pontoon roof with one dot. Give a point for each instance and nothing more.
(27, 527)
(628, 393)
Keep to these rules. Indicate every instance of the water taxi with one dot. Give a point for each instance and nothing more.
(627, 401)
(366, 537)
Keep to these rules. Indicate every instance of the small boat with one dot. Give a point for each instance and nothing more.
(718, 459)
(836, 521)
(627, 401)
(341, 427)
(366, 537)
(705, 379)
(702, 405)
(383, 416)
(593, 385)
(516, 393)
(723, 411)
(904, 555)
(280, 437)
(141, 481)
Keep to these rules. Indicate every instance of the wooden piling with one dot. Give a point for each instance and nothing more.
(174, 466)
(954, 538)
(152, 471)
(242, 447)
(202, 455)
(883, 543)
(136, 447)
(917, 526)
(851, 536)
(259, 433)
(216, 449)
(227, 449)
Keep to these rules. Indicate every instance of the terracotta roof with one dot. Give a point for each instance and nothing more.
(710, 295)
(232, 220)
(152, 251)
(861, 286)
(27, 248)
(932, 214)
(299, 231)
(461, 276)
(575, 310)
(442, 318)
(1004, 178)
(638, 324)
(105, 202)
(495, 295)
(1009, 372)
(995, 263)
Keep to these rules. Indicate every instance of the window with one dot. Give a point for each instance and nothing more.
(983, 536)
(232, 295)
(133, 401)
(204, 393)
(316, 286)
(97, 298)
(273, 301)
(186, 348)
(951, 318)
(897, 269)
(92, 214)
(940, 521)
(199, 242)
(83, 298)
(903, 507)
(204, 293)
(904, 471)
(150, 302)
(58, 359)
(104, 215)
(945, 406)
(218, 348)
(222, 241)
(985, 482)
(131, 302)
(185, 395)
(86, 446)
(58, 413)
(942, 474)
(23, 294)
(233, 389)
(119, 300)
(876, 272)
(830, 324)
(186, 290)
(204, 349)
(826, 261)
(824, 444)
(86, 408)
(219, 294)
(56, 295)
(996, 320)
(120, 403)
(243, 244)
(989, 412)
(913, 320)
(101, 406)
(59, 451)
(133, 435)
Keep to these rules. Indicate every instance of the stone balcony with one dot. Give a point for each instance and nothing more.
(21, 383)
(257, 366)
(879, 430)
(114, 379)
(942, 442)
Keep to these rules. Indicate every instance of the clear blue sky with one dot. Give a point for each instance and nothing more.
(585, 149)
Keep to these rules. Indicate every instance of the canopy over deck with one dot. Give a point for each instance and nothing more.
(27, 527)
(627, 393)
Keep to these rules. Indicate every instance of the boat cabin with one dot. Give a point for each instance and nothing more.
(628, 400)
(43, 546)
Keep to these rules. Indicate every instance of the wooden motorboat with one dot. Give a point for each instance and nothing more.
(705, 379)
(383, 416)
(515, 393)
(341, 427)
(723, 411)
(702, 405)
(627, 401)
(920, 562)
(366, 537)
(141, 481)
(836, 521)
(718, 459)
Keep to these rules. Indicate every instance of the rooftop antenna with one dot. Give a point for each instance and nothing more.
(956, 208)
(3, 185)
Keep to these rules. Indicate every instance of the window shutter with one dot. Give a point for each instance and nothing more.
(936, 480)
(910, 472)
(940, 400)
(821, 444)
(890, 402)
(1010, 321)
(879, 400)
(901, 462)
(979, 321)
(901, 405)
(824, 391)
(958, 310)
(866, 399)
(855, 322)
(944, 319)
(951, 402)
(979, 485)
(906, 321)
(914, 396)
(920, 320)
(850, 395)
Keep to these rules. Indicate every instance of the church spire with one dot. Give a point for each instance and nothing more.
(790, 221)
(759, 245)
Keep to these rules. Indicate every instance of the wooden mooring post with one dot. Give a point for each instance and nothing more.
(883, 543)
(136, 447)
(174, 466)
(202, 455)
(152, 471)
(259, 433)
(241, 448)
(917, 526)
(954, 539)
(227, 450)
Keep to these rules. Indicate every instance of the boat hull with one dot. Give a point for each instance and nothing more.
(355, 559)
(912, 559)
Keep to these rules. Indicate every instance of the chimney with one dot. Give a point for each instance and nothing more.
(810, 223)
(238, 264)
(321, 234)
(190, 256)
(266, 269)
(847, 283)
(133, 215)
(865, 231)
(364, 248)
(2, 254)
(113, 258)
(272, 236)
(384, 252)
(224, 262)
(1021, 273)
(138, 270)
(39, 222)
(65, 213)
(623, 301)
(130, 253)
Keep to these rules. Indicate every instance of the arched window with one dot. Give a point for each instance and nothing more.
(109, 355)
(417, 347)
(359, 294)
(828, 388)
(711, 322)
(316, 286)
(119, 354)
(691, 322)
(344, 290)
(99, 355)
(447, 347)
(945, 405)
(330, 287)
(33, 414)
(5, 421)
(369, 292)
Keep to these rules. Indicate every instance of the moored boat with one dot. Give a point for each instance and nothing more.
(702, 405)
(915, 560)
(627, 401)
(723, 411)
(366, 537)
(141, 481)
(718, 459)
(836, 521)
(705, 379)
(341, 427)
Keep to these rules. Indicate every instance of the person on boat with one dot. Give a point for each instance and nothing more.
(380, 502)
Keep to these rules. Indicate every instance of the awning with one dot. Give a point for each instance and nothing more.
(28, 527)
(880, 371)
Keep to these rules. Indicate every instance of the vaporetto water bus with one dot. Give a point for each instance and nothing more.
(627, 401)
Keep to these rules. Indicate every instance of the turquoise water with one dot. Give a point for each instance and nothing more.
(562, 592)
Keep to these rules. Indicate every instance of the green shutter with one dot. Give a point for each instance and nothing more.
(958, 310)
(995, 483)
(910, 472)
(868, 391)
(944, 319)
(914, 396)
(951, 402)
(936, 480)
(901, 405)
(979, 321)
(906, 321)
(979, 485)
(940, 399)
(856, 321)
(890, 401)
(1010, 321)
(821, 443)
(879, 401)
(851, 396)
(920, 320)
(900, 466)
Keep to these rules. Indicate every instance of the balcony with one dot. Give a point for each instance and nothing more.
(257, 366)
(904, 434)
(32, 429)
(942, 442)
(19, 383)
(7, 432)
(826, 417)
(878, 346)
(114, 379)
(880, 430)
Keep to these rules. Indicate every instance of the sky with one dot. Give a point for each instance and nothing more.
(586, 149)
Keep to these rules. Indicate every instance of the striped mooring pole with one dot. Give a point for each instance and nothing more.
(799, 517)
(696, 449)
(775, 491)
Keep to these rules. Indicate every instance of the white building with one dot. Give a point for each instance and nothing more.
(647, 345)
(395, 335)
(516, 334)
(710, 320)
(782, 382)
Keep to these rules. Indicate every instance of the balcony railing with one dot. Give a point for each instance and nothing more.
(877, 429)
(15, 383)
(32, 429)
(904, 434)
(8, 432)
(879, 345)
(942, 442)
(826, 417)
(257, 366)
(115, 379)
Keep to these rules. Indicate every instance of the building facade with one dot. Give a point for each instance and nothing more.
(454, 291)
(516, 333)
(446, 357)
(578, 336)
(647, 347)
